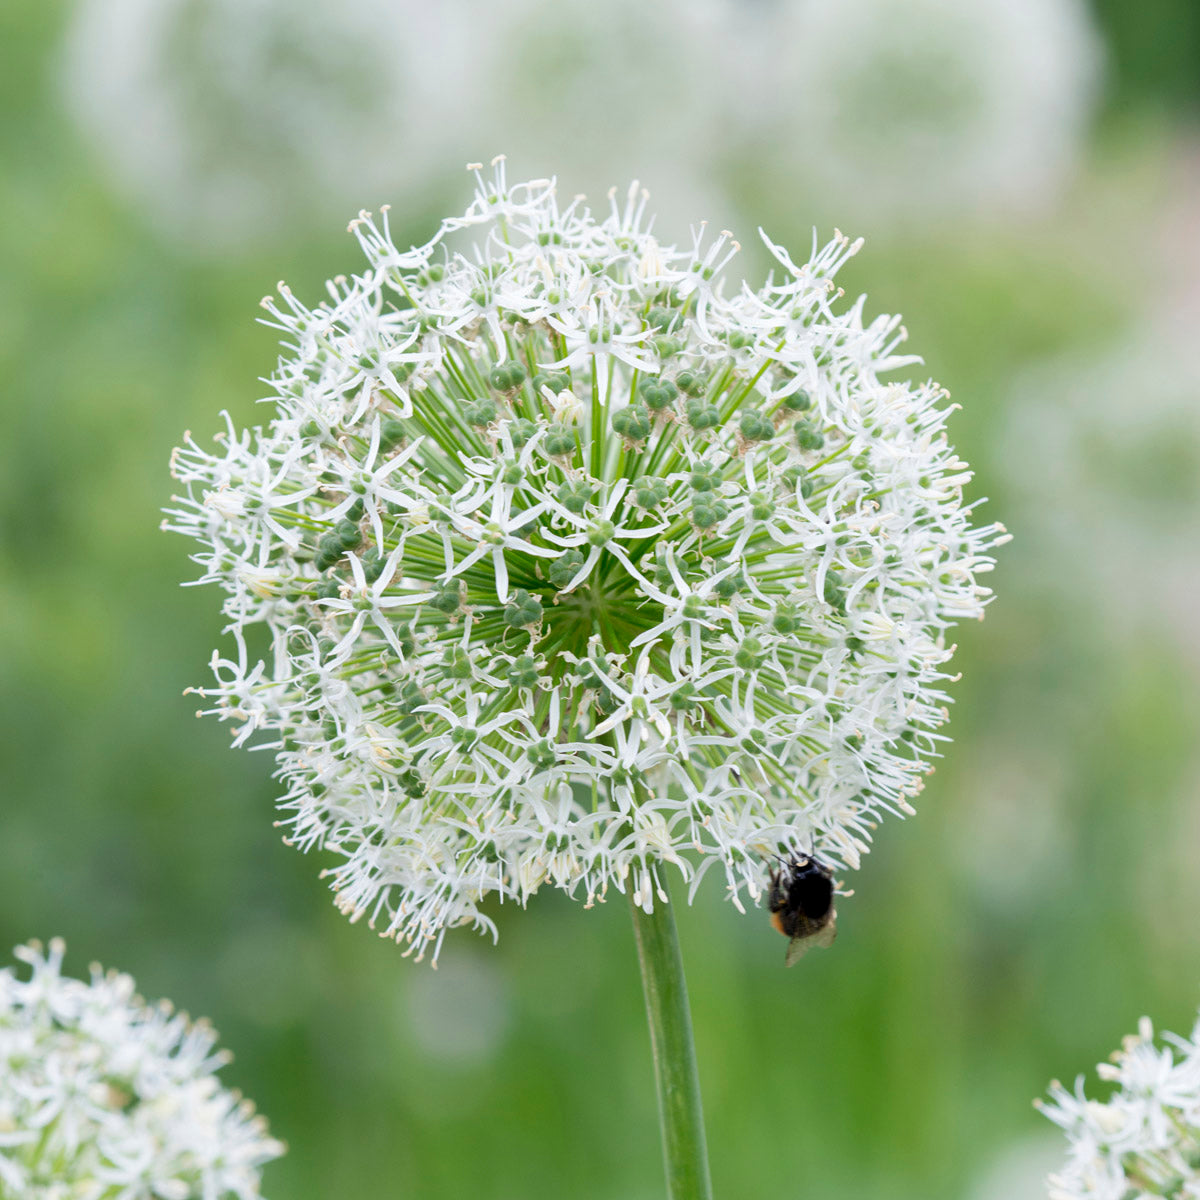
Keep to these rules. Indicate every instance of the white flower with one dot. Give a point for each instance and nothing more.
(1144, 1140)
(103, 1096)
(1104, 450)
(920, 109)
(701, 620)
(224, 118)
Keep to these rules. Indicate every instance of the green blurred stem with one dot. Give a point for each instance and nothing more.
(679, 1109)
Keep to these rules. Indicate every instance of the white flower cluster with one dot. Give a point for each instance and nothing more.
(229, 120)
(1144, 1140)
(104, 1098)
(926, 109)
(1129, 536)
(572, 564)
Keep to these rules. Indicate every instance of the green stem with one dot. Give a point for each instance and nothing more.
(679, 1110)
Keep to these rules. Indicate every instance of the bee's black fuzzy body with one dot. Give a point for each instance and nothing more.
(800, 899)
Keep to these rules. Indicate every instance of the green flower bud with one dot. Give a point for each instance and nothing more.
(522, 610)
(348, 534)
(702, 415)
(808, 436)
(391, 433)
(507, 377)
(601, 532)
(481, 412)
(372, 564)
(632, 423)
(749, 655)
(409, 698)
(733, 583)
(762, 507)
(574, 494)
(754, 426)
(564, 568)
(658, 393)
(785, 619)
(457, 663)
(556, 381)
(520, 430)
(664, 319)
(705, 477)
(523, 672)
(560, 441)
(835, 595)
(447, 598)
(650, 494)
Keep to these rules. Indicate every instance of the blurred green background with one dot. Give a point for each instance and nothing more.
(165, 161)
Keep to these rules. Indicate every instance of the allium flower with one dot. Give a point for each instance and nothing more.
(1144, 1140)
(573, 566)
(225, 117)
(104, 1098)
(1104, 450)
(918, 109)
(669, 83)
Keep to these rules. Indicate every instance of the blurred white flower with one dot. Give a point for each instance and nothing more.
(703, 618)
(1018, 1170)
(102, 1096)
(1144, 1140)
(588, 91)
(229, 118)
(461, 1013)
(923, 109)
(1104, 450)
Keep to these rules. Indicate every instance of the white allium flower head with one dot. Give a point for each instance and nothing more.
(920, 109)
(104, 1096)
(1144, 1140)
(573, 565)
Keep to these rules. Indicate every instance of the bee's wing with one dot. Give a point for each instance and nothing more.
(800, 945)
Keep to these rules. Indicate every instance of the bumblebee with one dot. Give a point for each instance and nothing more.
(800, 899)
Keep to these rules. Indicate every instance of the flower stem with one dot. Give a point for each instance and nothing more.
(679, 1109)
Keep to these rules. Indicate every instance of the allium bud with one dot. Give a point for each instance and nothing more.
(572, 565)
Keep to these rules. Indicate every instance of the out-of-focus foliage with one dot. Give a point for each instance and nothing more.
(1042, 899)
